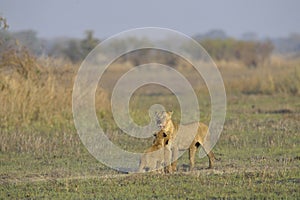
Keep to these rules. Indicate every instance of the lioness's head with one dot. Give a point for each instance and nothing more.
(162, 118)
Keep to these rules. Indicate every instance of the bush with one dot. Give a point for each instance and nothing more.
(249, 53)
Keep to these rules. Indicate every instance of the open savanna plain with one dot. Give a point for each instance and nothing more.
(41, 155)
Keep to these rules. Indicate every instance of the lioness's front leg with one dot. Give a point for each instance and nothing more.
(174, 159)
(168, 157)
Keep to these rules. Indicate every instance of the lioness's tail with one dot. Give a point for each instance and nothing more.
(214, 157)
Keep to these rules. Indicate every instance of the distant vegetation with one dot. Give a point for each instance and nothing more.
(248, 50)
(74, 50)
(250, 53)
(290, 44)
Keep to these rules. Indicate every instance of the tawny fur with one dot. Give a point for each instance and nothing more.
(173, 141)
(153, 157)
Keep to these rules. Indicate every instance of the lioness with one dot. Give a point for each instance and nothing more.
(174, 142)
(153, 159)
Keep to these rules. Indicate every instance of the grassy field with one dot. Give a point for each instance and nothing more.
(41, 155)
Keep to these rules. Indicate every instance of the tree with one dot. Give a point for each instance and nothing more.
(76, 50)
(73, 51)
(3, 23)
(88, 44)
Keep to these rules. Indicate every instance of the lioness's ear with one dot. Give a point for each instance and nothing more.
(154, 134)
(170, 112)
(164, 134)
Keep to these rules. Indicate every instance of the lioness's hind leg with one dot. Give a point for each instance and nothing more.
(192, 152)
(211, 159)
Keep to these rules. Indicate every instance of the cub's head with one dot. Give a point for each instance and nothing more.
(160, 138)
(162, 118)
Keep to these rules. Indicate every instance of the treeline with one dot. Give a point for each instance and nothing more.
(249, 53)
(72, 49)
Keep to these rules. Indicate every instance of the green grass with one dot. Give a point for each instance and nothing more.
(280, 184)
(258, 150)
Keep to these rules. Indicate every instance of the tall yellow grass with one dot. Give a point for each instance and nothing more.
(278, 76)
(36, 90)
(36, 102)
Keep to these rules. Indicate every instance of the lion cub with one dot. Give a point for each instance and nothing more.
(153, 157)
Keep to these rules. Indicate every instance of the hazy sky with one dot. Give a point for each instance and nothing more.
(273, 18)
